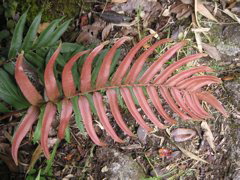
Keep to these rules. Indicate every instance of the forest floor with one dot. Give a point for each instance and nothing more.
(213, 153)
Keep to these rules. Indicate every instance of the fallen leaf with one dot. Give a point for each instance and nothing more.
(89, 33)
(212, 51)
(208, 135)
(7, 159)
(232, 15)
(142, 135)
(199, 41)
(191, 155)
(42, 27)
(182, 11)
(182, 134)
(106, 31)
(114, 17)
(166, 12)
(204, 11)
(36, 155)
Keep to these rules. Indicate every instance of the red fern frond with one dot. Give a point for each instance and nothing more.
(182, 91)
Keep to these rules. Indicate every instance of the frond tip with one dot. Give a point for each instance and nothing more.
(129, 85)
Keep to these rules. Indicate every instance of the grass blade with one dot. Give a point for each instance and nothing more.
(44, 37)
(17, 36)
(58, 32)
(31, 34)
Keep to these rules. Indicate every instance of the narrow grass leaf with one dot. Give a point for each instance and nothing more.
(37, 132)
(44, 37)
(16, 41)
(31, 34)
(51, 159)
(58, 32)
(10, 93)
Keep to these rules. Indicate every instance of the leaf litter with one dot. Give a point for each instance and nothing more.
(97, 37)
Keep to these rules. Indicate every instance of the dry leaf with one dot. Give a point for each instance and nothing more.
(166, 12)
(42, 27)
(36, 154)
(142, 135)
(89, 33)
(182, 11)
(191, 155)
(199, 41)
(212, 51)
(151, 31)
(232, 15)
(182, 134)
(187, 1)
(7, 159)
(106, 31)
(204, 11)
(208, 135)
(119, 1)
(200, 29)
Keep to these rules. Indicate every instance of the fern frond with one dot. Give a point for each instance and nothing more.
(182, 91)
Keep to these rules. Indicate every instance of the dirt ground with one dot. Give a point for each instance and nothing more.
(140, 157)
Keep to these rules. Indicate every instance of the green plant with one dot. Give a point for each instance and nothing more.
(182, 91)
(37, 48)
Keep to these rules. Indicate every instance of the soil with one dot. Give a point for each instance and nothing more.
(139, 157)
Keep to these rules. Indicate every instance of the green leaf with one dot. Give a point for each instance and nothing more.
(39, 175)
(119, 96)
(10, 68)
(97, 64)
(34, 59)
(75, 68)
(4, 34)
(60, 60)
(115, 61)
(77, 114)
(133, 96)
(59, 31)
(67, 134)
(42, 52)
(10, 93)
(17, 36)
(50, 161)
(31, 34)
(47, 34)
(90, 100)
(69, 47)
(3, 108)
(37, 132)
